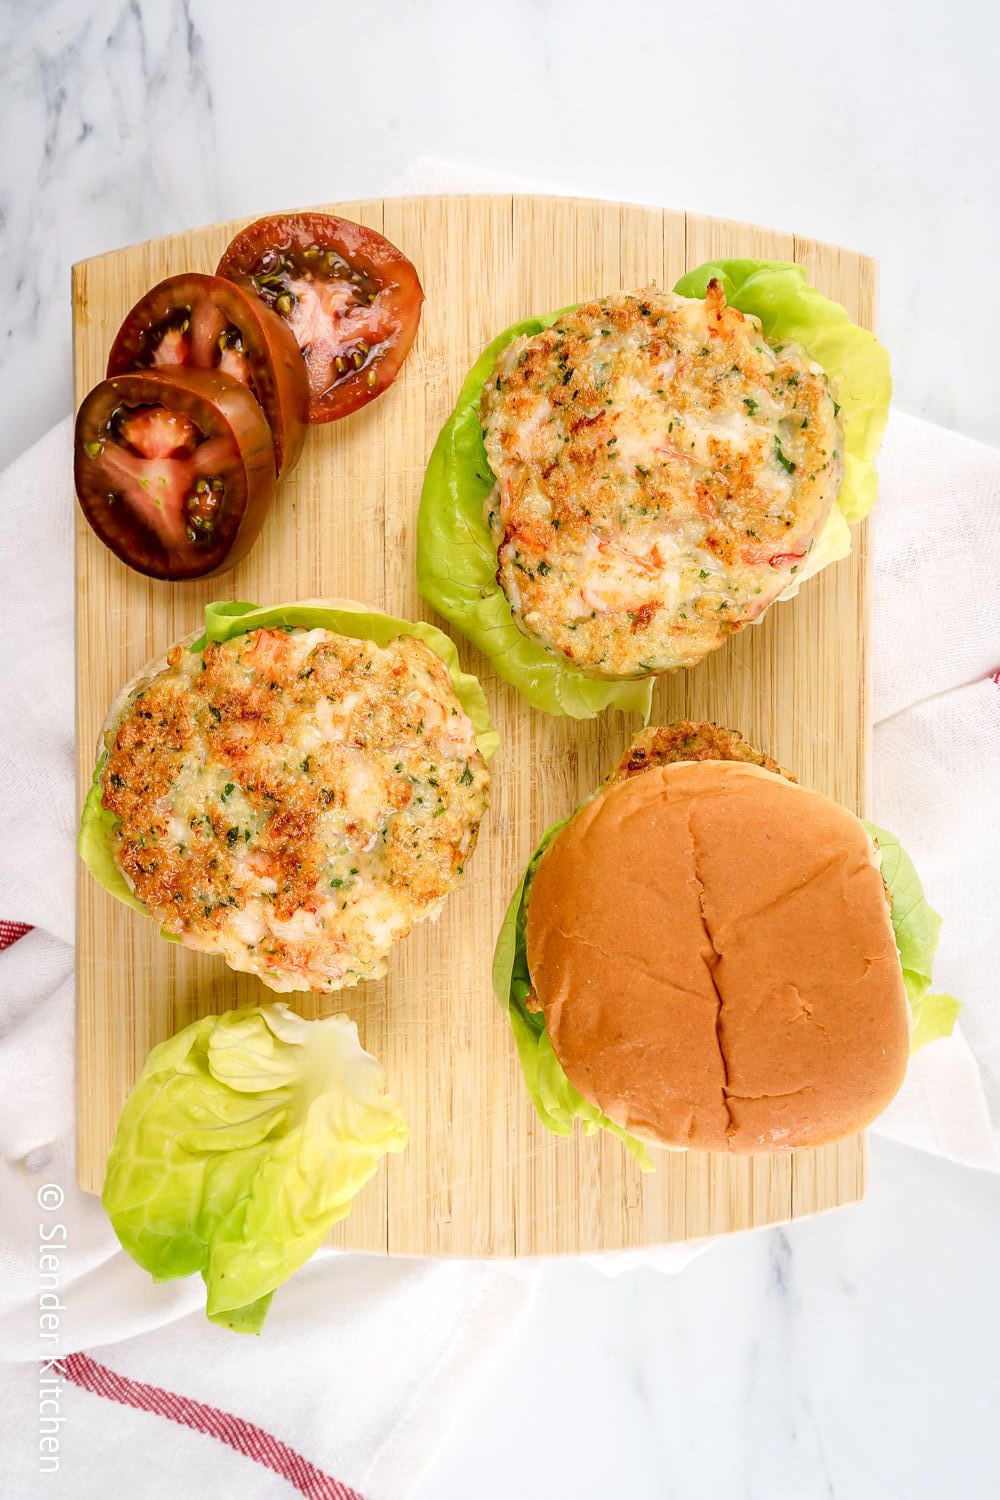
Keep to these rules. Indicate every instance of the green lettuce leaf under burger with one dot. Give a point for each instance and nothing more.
(917, 926)
(247, 1136)
(456, 556)
(558, 1103)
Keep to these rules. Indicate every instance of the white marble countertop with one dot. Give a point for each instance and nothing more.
(873, 127)
(850, 1356)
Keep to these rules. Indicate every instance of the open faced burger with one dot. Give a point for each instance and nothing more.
(293, 791)
(626, 484)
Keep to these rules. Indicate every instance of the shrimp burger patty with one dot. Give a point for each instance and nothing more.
(662, 471)
(712, 948)
(294, 800)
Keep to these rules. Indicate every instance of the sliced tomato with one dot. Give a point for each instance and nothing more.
(174, 469)
(208, 323)
(351, 299)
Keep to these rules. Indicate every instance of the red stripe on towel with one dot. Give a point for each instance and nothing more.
(245, 1437)
(10, 932)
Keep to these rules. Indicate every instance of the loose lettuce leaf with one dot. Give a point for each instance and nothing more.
(223, 621)
(245, 1138)
(457, 562)
(789, 309)
(556, 1101)
(916, 927)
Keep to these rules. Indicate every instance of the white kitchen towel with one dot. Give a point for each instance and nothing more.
(372, 1361)
(936, 761)
(363, 1369)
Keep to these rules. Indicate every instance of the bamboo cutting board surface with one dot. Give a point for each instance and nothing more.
(480, 1175)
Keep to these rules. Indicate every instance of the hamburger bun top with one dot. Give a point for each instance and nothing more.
(712, 948)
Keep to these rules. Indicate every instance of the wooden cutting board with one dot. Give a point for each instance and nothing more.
(480, 1175)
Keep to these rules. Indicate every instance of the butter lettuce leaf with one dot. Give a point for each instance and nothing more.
(457, 562)
(789, 309)
(223, 621)
(557, 1103)
(95, 842)
(934, 1017)
(246, 1137)
(916, 926)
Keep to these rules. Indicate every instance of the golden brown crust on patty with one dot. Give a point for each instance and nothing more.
(686, 740)
(662, 472)
(294, 800)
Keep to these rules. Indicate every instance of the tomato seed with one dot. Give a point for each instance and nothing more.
(95, 448)
(285, 302)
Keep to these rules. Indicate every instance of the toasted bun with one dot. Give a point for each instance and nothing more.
(712, 947)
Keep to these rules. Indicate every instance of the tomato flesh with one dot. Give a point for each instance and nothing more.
(233, 361)
(168, 346)
(156, 432)
(338, 334)
(351, 299)
(174, 470)
(176, 491)
(207, 323)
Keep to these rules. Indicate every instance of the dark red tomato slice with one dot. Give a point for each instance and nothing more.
(208, 323)
(351, 299)
(174, 469)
